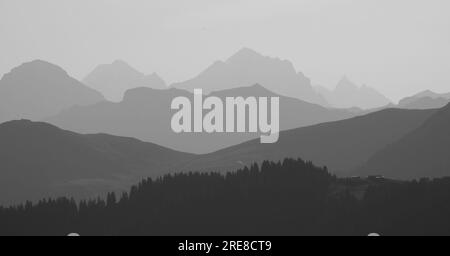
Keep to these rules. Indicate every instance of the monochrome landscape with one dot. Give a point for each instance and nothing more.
(97, 153)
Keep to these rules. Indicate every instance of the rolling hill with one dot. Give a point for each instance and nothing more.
(39, 160)
(342, 146)
(424, 152)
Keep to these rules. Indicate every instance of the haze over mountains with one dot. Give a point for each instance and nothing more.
(112, 80)
(347, 95)
(145, 114)
(38, 160)
(342, 146)
(424, 152)
(247, 68)
(38, 89)
(425, 100)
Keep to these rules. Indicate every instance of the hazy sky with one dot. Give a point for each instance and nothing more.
(397, 46)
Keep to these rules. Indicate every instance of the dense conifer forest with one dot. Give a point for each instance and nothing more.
(289, 198)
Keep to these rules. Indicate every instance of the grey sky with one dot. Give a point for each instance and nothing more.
(396, 46)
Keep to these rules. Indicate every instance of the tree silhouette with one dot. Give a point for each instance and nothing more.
(292, 197)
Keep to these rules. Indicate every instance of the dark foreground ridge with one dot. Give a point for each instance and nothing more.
(289, 198)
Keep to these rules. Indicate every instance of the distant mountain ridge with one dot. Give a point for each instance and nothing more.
(114, 79)
(246, 68)
(425, 100)
(347, 95)
(425, 103)
(39, 89)
(145, 114)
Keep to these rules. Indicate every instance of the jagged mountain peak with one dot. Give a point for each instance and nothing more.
(346, 84)
(347, 94)
(248, 67)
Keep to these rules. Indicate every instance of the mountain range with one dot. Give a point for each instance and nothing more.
(342, 146)
(347, 95)
(39, 160)
(38, 89)
(145, 114)
(80, 159)
(246, 68)
(425, 100)
(112, 80)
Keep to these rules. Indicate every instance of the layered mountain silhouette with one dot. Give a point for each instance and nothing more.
(39, 89)
(146, 114)
(424, 152)
(425, 100)
(347, 95)
(247, 68)
(342, 146)
(114, 79)
(39, 160)
(425, 103)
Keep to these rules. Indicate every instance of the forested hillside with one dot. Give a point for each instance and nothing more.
(289, 198)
